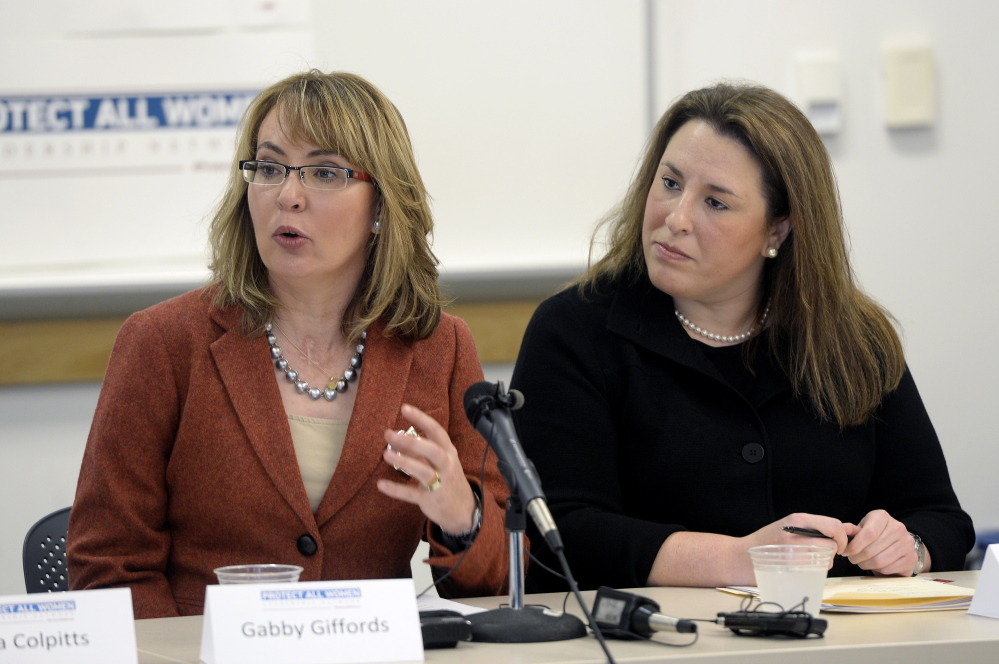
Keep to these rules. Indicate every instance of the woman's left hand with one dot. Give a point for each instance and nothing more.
(882, 545)
(442, 491)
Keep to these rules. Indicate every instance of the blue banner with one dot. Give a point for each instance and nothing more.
(38, 607)
(74, 113)
(323, 593)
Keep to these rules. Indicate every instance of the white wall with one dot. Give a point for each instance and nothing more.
(43, 431)
(555, 90)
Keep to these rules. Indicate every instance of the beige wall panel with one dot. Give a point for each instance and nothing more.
(65, 351)
(56, 351)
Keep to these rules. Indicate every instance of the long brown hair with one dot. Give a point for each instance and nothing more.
(838, 346)
(345, 114)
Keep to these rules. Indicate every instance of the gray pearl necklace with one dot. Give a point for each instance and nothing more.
(722, 337)
(332, 388)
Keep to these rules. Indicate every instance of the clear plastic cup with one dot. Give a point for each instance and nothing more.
(789, 574)
(269, 573)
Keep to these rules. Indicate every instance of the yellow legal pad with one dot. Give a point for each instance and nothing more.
(866, 594)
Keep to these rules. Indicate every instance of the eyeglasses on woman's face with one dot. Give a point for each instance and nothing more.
(271, 173)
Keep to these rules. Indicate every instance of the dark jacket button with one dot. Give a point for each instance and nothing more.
(307, 546)
(752, 453)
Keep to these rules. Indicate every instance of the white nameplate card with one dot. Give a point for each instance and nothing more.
(82, 627)
(986, 601)
(315, 622)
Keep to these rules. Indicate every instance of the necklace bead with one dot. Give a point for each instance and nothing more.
(731, 338)
(333, 388)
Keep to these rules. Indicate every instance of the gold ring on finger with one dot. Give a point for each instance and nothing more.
(436, 484)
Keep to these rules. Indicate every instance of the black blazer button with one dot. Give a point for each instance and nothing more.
(752, 453)
(307, 546)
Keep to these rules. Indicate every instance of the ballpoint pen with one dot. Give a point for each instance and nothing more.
(807, 532)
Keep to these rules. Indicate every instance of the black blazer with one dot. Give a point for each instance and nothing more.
(637, 435)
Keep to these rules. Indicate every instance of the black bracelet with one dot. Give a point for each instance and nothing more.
(460, 541)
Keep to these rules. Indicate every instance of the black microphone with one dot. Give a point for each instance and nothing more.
(623, 615)
(488, 407)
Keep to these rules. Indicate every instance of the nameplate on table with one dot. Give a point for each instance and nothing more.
(986, 602)
(82, 627)
(312, 622)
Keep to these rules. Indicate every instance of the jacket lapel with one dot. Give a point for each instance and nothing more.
(253, 391)
(380, 390)
(643, 314)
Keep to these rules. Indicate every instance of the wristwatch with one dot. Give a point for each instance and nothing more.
(920, 554)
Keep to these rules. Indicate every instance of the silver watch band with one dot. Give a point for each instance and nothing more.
(917, 541)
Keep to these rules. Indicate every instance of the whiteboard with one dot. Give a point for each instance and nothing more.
(526, 132)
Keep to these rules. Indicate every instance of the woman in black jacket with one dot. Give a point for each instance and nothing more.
(718, 375)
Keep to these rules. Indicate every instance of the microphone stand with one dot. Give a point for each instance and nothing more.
(516, 623)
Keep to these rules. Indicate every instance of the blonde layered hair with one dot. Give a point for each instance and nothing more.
(347, 115)
(839, 347)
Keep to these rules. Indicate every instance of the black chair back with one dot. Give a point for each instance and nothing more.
(44, 554)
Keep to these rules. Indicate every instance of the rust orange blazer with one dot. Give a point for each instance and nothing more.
(190, 465)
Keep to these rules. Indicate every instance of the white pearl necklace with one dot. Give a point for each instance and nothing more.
(734, 338)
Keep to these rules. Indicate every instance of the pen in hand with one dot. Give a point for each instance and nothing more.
(807, 532)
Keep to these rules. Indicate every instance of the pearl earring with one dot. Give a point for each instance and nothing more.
(772, 252)
(376, 227)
